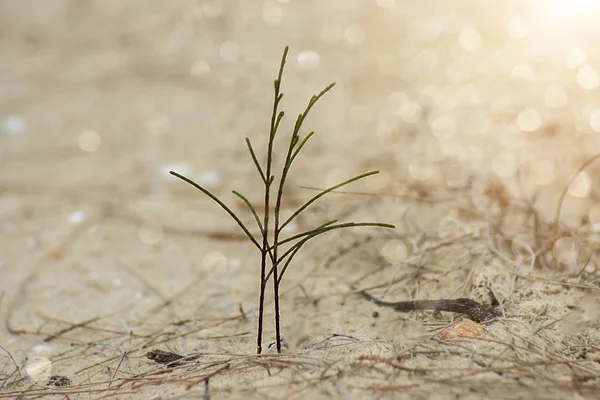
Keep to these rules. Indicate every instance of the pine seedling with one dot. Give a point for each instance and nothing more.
(273, 262)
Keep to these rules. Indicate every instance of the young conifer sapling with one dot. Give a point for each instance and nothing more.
(276, 253)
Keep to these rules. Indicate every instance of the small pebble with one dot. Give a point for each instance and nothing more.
(462, 329)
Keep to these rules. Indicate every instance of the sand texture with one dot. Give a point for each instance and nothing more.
(120, 281)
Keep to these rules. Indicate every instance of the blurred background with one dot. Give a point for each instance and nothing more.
(100, 99)
(98, 91)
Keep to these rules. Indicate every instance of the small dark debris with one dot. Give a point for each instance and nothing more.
(478, 312)
(375, 314)
(169, 358)
(58, 381)
(163, 357)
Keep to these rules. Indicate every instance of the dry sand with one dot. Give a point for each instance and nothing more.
(476, 114)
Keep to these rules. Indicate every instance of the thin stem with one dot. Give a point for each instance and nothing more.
(279, 117)
(289, 158)
(275, 120)
(270, 252)
(311, 103)
(276, 232)
(301, 146)
(296, 248)
(327, 229)
(291, 155)
(256, 163)
(323, 193)
(275, 246)
(252, 210)
(219, 202)
(276, 305)
(315, 232)
(305, 233)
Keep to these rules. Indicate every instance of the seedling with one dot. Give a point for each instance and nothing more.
(274, 263)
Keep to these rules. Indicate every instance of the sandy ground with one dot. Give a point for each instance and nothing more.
(477, 115)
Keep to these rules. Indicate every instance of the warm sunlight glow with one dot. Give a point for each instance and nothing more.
(570, 6)
(566, 12)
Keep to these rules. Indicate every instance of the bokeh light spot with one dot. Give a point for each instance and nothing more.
(523, 71)
(39, 369)
(581, 185)
(214, 261)
(230, 52)
(555, 97)
(308, 59)
(595, 121)
(271, 13)
(410, 112)
(77, 217)
(209, 179)
(470, 39)
(179, 167)
(590, 268)
(565, 250)
(14, 125)
(576, 58)
(529, 120)
(199, 68)
(394, 251)
(587, 78)
(443, 127)
(517, 27)
(355, 34)
(89, 140)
